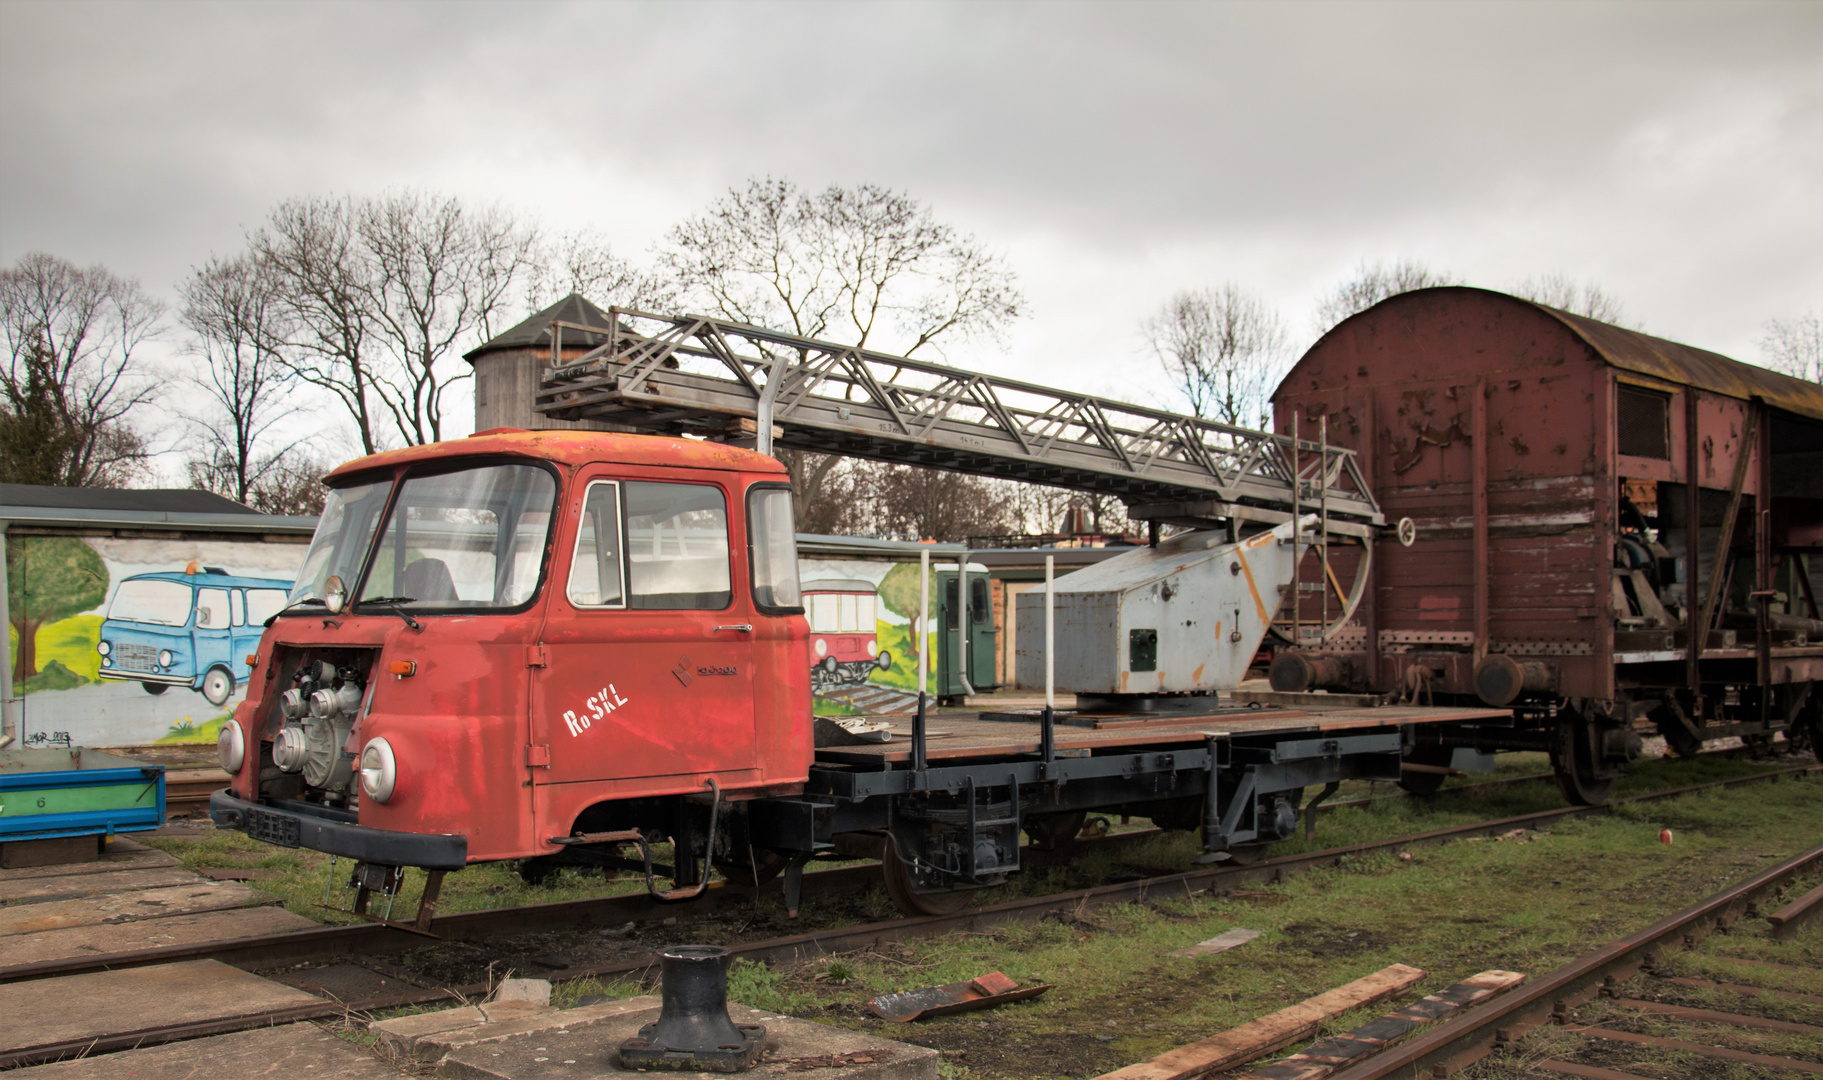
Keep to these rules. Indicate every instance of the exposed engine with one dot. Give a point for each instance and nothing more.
(319, 712)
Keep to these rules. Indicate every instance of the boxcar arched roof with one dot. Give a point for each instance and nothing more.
(1630, 350)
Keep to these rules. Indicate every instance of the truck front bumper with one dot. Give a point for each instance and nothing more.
(321, 829)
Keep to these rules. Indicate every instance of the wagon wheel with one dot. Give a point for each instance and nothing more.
(1055, 832)
(905, 893)
(1350, 600)
(1683, 735)
(767, 864)
(1574, 756)
(1426, 783)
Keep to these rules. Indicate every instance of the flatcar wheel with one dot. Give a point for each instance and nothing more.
(1573, 760)
(906, 898)
(766, 866)
(1055, 832)
(1426, 783)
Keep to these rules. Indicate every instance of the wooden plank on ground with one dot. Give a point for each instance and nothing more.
(106, 938)
(70, 886)
(130, 906)
(294, 1050)
(1327, 1055)
(1219, 943)
(1274, 1031)
(120, 856)
(1587, 1072)
(49, 1011)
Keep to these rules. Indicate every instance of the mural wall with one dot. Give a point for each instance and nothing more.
(178, 619)
(863, 639)
(130, 642)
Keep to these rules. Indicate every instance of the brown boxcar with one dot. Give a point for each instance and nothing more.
(1553, 466)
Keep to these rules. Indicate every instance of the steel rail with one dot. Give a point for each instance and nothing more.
(1465, 1039)
(872, 935)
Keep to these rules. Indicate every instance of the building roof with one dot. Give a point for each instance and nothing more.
(176, 500)
(142, 508)
(535, 330)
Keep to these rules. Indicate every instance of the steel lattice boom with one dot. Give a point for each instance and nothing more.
(703, 376)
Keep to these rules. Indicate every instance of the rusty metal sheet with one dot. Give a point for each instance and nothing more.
(984, 992)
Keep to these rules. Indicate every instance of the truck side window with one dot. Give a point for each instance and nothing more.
(773, 548)
(677, 547)
(237, 607)
(980, 606)
(595, 571)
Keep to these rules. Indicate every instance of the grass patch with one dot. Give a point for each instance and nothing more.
(1527, 905)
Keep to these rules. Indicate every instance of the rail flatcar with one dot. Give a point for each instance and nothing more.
(1611, 529)
(565, 647)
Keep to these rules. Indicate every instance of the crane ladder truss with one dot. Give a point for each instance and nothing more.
(694, 375)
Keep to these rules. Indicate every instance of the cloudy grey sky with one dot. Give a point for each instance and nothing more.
(1671, 153)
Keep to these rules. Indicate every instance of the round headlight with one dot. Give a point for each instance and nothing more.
(822, 647)
(103, 648)
(231, 747)
(873, 647)
(335, 594)
(164, 658)
(379, 770)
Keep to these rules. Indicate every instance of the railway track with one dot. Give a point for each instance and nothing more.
(280, 950)
(1599, 997)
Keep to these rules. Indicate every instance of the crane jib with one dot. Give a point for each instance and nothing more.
(694, 375)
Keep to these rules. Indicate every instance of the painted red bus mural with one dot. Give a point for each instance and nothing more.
(843, 644)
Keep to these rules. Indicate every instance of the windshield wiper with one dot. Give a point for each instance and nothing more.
(292, 609)
(391, 603)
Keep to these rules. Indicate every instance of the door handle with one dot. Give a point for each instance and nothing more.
(745, 627)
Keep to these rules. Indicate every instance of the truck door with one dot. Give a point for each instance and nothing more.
(648, 658)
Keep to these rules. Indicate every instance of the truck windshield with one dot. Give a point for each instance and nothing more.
(461, 541)
(343, 535)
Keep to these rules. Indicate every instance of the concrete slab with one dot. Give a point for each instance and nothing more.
(75, 1007)
(122, 854)
(588, 1050)
(130, 906)
(428, 1037)
(71, 886)
(291, 1052)
(533, 990)
(102, 938)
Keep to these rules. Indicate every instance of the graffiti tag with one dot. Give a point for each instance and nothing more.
(596, 707)
(49, 738)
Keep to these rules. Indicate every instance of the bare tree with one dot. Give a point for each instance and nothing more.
(439, 273)
(836, 264)
(1224, 349)
(1372, 283)
(313, 248)
(1795, 346)
(235, 316)
(935, 505)
(584, 262)
(381, 293)
(842, 264)
(74, 373)
(1578, 298)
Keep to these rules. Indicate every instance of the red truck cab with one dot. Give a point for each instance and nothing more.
(504, 640)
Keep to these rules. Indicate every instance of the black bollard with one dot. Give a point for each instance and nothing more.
(693, 1031)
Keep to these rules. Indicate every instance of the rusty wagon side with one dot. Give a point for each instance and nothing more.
(1552, 465)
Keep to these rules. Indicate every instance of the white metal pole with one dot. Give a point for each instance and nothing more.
(1050, 634)
(923, 631)
(6, 656)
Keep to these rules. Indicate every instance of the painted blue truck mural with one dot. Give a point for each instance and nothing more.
(190, 628)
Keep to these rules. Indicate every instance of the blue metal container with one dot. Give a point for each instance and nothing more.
(46, 794)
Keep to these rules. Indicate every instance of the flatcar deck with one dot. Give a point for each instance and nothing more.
(952, 736)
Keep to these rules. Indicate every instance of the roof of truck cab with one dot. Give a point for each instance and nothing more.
(572, 448)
